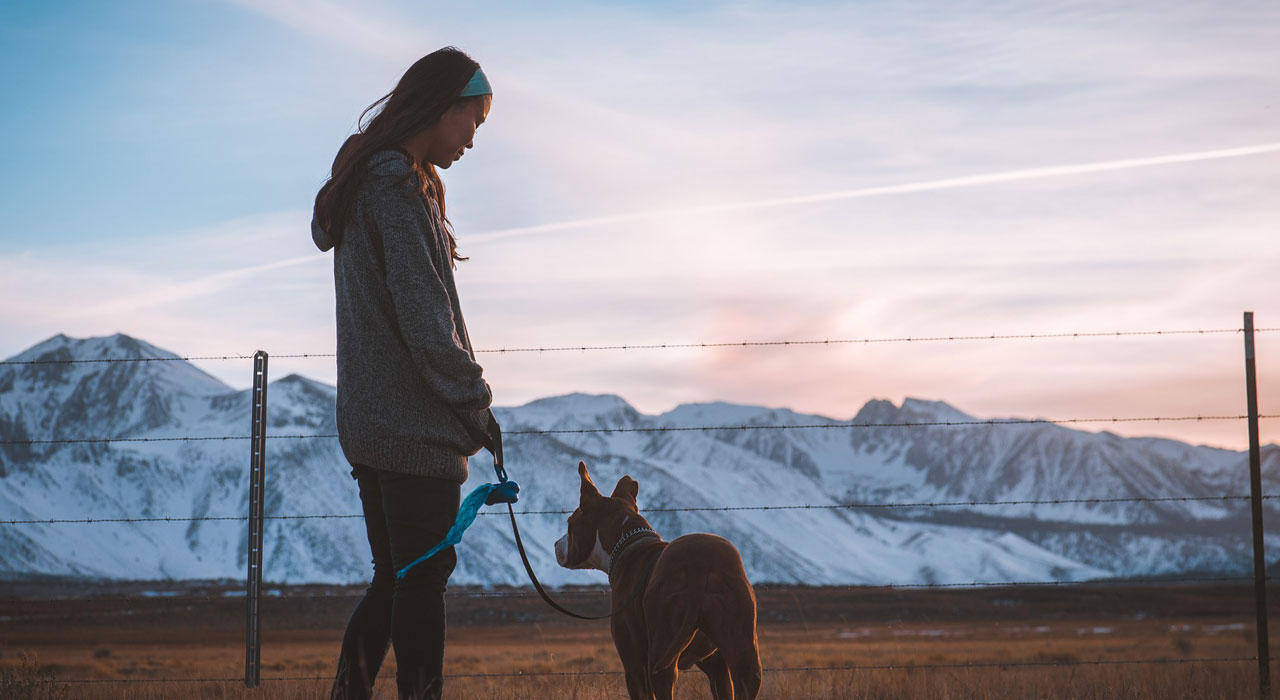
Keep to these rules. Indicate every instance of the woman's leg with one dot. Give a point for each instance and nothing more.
(369, 631)
(419, 510)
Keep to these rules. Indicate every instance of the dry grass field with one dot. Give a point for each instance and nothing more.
(987, 643)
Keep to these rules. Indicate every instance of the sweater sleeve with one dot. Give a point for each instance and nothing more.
(422, 302)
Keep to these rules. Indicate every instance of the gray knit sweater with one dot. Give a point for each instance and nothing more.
(410, 395)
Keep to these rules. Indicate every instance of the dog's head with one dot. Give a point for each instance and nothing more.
(598, 523)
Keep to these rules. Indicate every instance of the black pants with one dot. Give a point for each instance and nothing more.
(405, 516)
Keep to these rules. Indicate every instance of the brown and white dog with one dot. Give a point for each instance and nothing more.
(689, 599)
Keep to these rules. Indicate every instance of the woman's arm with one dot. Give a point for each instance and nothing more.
(422, 303)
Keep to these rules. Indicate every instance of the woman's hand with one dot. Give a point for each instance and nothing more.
(493, 434)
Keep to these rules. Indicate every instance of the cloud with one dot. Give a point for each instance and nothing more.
(363, 28)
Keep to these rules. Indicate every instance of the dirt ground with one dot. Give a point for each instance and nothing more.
(69, 640)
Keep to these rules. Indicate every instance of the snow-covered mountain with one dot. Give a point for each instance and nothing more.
(698, 470)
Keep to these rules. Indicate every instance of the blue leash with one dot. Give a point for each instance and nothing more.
(505, 491)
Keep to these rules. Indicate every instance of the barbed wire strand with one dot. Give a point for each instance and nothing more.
(772, 669)
(237, 596)
(689, 509)
(663, 346)
(867, 341)
(701, 428)
(110, 360)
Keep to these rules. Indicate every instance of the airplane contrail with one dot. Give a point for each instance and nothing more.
(928, 185)
(187, 289)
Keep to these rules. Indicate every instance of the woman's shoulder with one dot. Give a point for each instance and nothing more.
(390, 174)
(389, 162)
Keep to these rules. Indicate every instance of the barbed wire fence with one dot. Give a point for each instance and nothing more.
(769, 669)
(259, 436)
(665, 346)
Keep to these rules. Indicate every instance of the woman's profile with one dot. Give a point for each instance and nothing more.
(412, 402)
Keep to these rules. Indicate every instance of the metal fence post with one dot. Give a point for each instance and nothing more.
(1255, 492)
(257, 465)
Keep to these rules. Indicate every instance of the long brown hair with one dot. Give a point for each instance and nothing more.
(425, 91)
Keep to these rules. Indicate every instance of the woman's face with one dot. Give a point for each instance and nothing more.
(456, 130)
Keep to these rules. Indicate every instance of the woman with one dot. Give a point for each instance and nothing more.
(412, 404)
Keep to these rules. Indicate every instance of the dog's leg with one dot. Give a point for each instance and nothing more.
(744, 667)
(637, 681)
(741, 653)
(663, 682)
(635, 663)
(718, 675)
(747, 676)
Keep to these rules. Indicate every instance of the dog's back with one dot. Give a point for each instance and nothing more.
(703, 567)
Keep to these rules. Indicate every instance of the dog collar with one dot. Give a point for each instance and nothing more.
(622, 541)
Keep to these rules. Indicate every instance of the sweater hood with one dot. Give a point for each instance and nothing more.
(391, 162)
(323, 240)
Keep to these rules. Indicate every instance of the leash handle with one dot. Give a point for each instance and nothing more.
(495, 447)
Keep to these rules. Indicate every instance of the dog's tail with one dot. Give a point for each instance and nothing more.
(666, 645)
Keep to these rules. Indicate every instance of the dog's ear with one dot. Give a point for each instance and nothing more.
(588, 486)
(627, 489)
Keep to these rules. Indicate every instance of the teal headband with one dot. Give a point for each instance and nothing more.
(479, 85)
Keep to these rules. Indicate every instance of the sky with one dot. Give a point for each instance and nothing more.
(685, 173)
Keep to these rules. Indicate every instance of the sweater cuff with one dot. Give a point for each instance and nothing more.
(476, 396)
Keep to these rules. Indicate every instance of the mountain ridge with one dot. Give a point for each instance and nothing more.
(805, 505)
